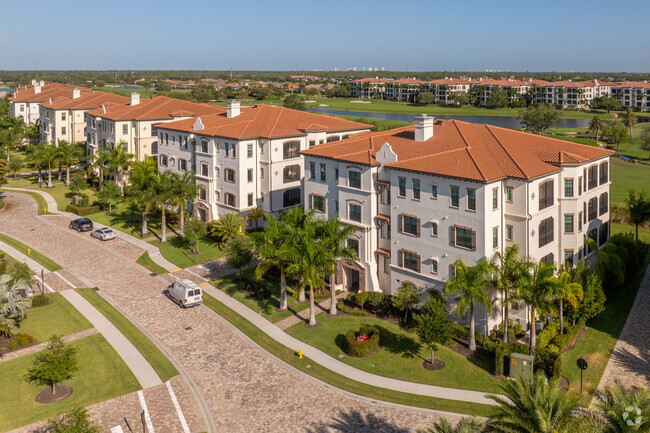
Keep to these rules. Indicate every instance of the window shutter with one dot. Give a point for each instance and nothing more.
(418, 229)
(311, 201)
(419, 264)
(324, 205)
(400, 259)
(473, 240)
(401, 224)
(453, 235)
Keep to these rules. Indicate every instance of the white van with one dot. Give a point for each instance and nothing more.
(185, 293)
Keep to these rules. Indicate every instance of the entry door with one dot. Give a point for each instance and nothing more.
(203, 215)
(354, 280)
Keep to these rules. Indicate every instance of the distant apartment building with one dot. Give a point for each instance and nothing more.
(423, 196)
(63, 117)
(368, 88)
(247, 157)
(632, 94)
(133, 123)
(403, 90)
(443, 89)
(26, 99)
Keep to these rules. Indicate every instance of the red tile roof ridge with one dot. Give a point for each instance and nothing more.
(467, 146)
(514, 161)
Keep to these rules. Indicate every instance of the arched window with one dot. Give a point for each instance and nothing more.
(546, 198)
(333, 138)
(203, 195)
(291, 173)
(291, 149)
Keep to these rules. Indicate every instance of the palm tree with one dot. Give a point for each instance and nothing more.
(12, 134)
(35, 158)
(629, 119)
(536, 289)
(297, 219)
(185, 190)
(118, 161)
(471, 284)
(465, 425)
(165, 197)
(618, 410)
(101, 161)
(49, 155)
(68, 155)
(142, 191)
(272, 252)
(335, 235)
(228, 226)
(12, 303)
(532, 406)
(566, 290)
(506, 267)
(255, 215)
(596, 124)
(311, 260)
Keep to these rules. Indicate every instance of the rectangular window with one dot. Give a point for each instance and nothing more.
(354, 244)
(510, 192)
(230, 199)
(495, 198)
(546, 232)
(336, 173)
(568, 223)
(163, 160)
(229, 175)
(509, 233)
(410, 225)
(261, 172)
(434, 191)
(354, 212)
(250, 200)
(603, 172)
(204, 146)
(312, 143)
(249, 150)
(249, 174)
(204, 169)
(401, 190)
(580, 186)
(383, 230)
(234, 151)
(354, 179)
(125, 129)
(63, 130)
(580, 222)
(411, 261)
(318, 203)
(416, 189)
(568, 257)
(336, 206)
(226, 147)
(455, 196)
(471, 199)
(604, 234)
(434, 229)
(62, 116)
(495, 237)
(217, 172)
(386, 264)
(434, 266)
(312, 170)
(568, 187)
(182, 164)
(464, 238)
(323, 172)
(384, 196)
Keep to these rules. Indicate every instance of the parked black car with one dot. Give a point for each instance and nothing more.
(81, 224)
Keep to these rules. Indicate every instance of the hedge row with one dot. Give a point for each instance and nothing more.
(359, 349)
(342, 309)
(40, 300)
(82, 211)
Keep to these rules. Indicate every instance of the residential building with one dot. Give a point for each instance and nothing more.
(633, 94)
(133, 122)
(63, 117)
(423, 196)
(403, 90)
(247, 157)
(26, 99)
(368, 88)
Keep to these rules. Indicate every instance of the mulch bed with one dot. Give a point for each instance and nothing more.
(317, 325)
(4, 341)
(46, 396)
(574, 340)
(564, 383)
(462, 348)
(438, 364)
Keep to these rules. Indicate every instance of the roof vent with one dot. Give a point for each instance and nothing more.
(50, 101)
(33, 82)
(233, 109)
(41, 83)
(103, 109)
(37, 88)
(423, 127)
(135, 98)
(198, 125)
(76, 93)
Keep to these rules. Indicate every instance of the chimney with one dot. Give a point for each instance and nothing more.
(76, 93)
(103, 109)
(423, 127)
(233, 109)
(41, 83)
(37, 88)
(135, 98)
(33, 82)
(50, 101)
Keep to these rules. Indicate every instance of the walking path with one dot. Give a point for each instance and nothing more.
(35, 348)
(630, 360)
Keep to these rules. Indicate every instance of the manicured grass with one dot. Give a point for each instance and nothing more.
(632, 147)
(2, 204)
(401, 357)
(265, 307)
(626, 176)
(378, 124)
(102, 375)
(152, 354)
(59, 317)
(145, 260)
(309, 367)
(644, 232)
(176, 250)
(35, 255)
(597, 343)
(8, 257)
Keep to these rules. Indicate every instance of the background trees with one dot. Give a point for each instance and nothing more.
(295, 102)
(537, 119)
(425, 98)
(239, 253)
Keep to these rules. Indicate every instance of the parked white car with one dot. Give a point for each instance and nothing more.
(104, 234)
(185, 293)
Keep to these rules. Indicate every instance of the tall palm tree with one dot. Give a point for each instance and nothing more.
(12, 303)
(297, 219)
(68, 155)
(465, 425)
(596, 124)
(101, 161)
(618, 410)
(118, 161)
(629, 119)
(471, 284)
(12, 134)
(50, 155)
(272, 251)
(142, 191)
(165, 182)
(532, 406)
(311, 260)
(536, 289)
(566, 290)
(255, 215)
(228, 226)
(35, 158)
(335, 236)
(507, 270)
(185, 190)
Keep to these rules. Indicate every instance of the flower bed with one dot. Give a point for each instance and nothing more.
(362, 343)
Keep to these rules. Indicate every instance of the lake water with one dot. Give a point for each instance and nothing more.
(503, 121)
(128, 88)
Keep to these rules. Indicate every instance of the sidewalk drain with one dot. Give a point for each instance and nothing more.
(96, 289)
(188, 328)
(153, 274)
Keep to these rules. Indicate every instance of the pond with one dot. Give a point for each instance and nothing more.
(128, 88)
(503, 121)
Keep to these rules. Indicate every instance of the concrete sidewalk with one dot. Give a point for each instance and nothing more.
(14, 253)
(141, 369)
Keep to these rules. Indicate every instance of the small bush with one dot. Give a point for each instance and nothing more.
(174, 218)
(342, 309)
(13, 345)
(375, 301)
(518, 329)
(40, 300)
(501, 353)
(548, 362)
(358, 349)
(460, 331)
(545, 337)
(553, 348)
(82, 211)
(562, 341)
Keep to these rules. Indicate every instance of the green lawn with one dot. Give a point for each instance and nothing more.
(401, 357)
(378, 124)
(35, 255)
(317, 371)
(59, 317)
(626, 176)
(176, 251)
(598, 341)
(265, 307)
(102, 375)
(152, 354)
(632, 147)
(644, 232)
(145, 261)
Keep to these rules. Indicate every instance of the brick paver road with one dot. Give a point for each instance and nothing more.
(245, 390)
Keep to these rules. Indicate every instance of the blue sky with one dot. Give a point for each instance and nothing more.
(568, 35)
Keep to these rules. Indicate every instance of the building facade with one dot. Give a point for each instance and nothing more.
(26, 99)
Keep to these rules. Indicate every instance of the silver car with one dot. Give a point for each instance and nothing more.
(104, 234)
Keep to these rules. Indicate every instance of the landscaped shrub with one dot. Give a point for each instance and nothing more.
(460, 331)
(548, 362)
(518, 329)
(501, 353)
(553, 348)
(357, 347)
(40, 300)
(545, 337)
(174, 218)
(375, 301)
(21, 340)
(82, 211)
(342, 309)
(561, 341)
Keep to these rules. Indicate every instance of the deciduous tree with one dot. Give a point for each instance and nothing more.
(54, 364)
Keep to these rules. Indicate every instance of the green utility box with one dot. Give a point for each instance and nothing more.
(521, 365)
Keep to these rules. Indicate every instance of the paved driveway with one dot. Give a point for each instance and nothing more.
(245, 390)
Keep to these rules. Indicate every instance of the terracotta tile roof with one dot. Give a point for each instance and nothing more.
(382, 217)
(49, 90)
(369, 80)
(157, 108)
(463, 150)
(406, 81)
(632, 84)
(88, 100)
(383, 252)
(382, 182)
(265, 121)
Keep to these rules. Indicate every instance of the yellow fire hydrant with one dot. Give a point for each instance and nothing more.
(29, 251)
(45, 210)
(300, 354)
